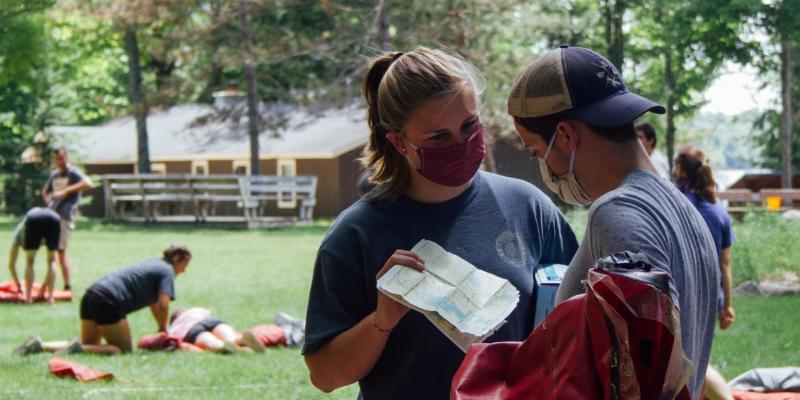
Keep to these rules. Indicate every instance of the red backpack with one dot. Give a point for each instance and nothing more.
(620, 340)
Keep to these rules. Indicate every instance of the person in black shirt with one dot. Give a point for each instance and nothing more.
(108, 301)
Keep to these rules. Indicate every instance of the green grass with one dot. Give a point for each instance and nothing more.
(767, 247)
(766, 334)
(246, 277)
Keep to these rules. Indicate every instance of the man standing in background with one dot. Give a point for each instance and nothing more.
(647, 135)
(61, 193)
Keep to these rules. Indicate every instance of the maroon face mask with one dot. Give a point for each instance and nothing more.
(454, 165)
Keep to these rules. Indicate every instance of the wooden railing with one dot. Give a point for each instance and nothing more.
(738, 200)
(199, 198)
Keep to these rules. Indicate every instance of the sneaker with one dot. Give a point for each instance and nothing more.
(285, 319)
(32, 345)
(73, 347)
(294, 335)
(252, 342)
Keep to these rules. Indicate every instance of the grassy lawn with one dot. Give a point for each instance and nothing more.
(246, 277)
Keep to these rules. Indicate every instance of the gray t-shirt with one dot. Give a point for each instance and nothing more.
(648, 214)
(59, 180)
(138, 286)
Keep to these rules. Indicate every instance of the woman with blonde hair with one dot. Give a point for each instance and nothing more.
(425, 149)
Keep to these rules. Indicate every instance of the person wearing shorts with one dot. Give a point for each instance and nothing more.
(62, 193)
(106, 304)
(199, 327)
(40, 225)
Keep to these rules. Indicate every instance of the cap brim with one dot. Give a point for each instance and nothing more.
(615, 111)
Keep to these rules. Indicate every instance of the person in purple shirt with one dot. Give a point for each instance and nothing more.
(695, 179)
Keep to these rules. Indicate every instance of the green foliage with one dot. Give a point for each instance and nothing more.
(693, 39)
(727, 140)
(21, 42)
(86, 67)
(768, 141)
(767, 246)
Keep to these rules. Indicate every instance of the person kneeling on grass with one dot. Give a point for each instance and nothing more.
(108, 301)
(39, 225)
(198, 327)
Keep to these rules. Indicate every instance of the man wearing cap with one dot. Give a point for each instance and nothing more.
(571, 109)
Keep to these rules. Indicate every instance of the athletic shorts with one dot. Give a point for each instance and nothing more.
(97, 307)
(206, 325)
(66, 227)
(42, 226)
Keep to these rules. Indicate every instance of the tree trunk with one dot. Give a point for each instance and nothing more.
(669, 74)
(615, 40)
(250, 83)
(137, 99)
(381, 24)
(786, 114)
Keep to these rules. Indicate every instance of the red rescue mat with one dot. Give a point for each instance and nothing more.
(10, 294)
(159, 341)
(64, 368)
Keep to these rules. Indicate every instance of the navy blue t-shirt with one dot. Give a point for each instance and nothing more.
(719, 224)
(717, 219)
(138, 286)
(501, 225)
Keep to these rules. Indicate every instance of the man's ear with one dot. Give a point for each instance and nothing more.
(396, 141)
(567, 133)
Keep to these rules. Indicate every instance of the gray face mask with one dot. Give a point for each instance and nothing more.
(566, 186)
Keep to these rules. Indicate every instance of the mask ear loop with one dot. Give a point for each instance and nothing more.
(572, 160)
(550, 145)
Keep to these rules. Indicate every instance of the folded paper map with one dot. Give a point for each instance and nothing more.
(464, 302)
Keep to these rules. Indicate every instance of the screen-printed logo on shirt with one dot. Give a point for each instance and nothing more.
(510, 249)
(60, 183)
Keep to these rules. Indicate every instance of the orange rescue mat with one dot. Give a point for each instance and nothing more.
(619, 340)
(9, 293)
(64, 368)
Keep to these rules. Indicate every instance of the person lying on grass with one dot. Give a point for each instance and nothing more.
(196, 329)
(106, 304)
(40, 225)
(197, 326)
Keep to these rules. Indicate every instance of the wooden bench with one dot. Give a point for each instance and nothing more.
(737, 201)
(198, 197)
(789, 197)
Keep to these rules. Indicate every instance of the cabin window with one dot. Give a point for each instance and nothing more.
(241, 167)
(158, 168)
(199, 167)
